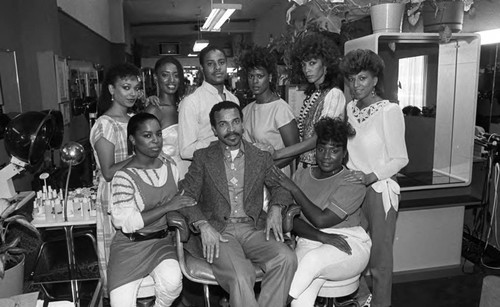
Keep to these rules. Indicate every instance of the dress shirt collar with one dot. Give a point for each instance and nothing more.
(226, 152)
(212, 89)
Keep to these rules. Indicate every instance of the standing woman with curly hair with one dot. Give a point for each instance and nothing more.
(268, 121)
(169, 76)
(376, 154)
(319, 56)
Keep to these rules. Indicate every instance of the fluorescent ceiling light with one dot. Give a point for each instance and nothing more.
(490, 36)
(219, 15)
(192, 55)
(199, 45)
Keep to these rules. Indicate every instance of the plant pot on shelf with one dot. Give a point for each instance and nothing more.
(387, 17)
(12, 282)
(441, 14)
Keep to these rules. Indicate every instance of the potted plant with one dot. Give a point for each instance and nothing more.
(11, 255)
(437, 8)
(387, 15)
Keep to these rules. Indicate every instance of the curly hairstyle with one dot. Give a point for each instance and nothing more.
(319, 46)
(335, 130)
(180, 71)
(115, 73)
(260, 57)
(364, 60)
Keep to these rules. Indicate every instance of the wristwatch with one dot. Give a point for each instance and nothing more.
(198, 223)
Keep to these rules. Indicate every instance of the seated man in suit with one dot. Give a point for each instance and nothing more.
(227, 180)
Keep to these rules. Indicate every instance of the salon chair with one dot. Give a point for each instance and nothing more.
(332, 290)
(199, 270)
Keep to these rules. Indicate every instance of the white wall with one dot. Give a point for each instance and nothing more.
(105, 17)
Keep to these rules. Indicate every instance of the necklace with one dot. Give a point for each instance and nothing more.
(318, 173)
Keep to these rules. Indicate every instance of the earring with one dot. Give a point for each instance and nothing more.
(373, 93)
(112, 97)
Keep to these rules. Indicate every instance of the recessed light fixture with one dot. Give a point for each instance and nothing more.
(219, 15)
(199, 44)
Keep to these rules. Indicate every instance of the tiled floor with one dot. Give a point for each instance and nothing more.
(457, 291)
(461, 290)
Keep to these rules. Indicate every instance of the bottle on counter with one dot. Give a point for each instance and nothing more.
(71, 209)
(86, 209)
(58, 212)
(49, 216)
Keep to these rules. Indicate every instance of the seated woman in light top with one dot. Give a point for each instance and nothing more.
(269, 121)
(143, 192)
(331, 243)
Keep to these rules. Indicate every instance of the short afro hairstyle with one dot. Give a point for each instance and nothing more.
(335, 130)
(137, 120)
(224, 105)
(261, 57)
(206, 50)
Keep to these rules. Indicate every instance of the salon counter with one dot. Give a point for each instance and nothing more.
(430, 226)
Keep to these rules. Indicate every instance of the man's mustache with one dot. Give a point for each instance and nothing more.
(232, 134)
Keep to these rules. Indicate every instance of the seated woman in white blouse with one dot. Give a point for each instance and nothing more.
(143, 192)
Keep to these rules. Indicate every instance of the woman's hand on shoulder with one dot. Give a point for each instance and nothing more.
(281, 179)
(360, 177)
(265, 147)
(153, 100)
(337, 240)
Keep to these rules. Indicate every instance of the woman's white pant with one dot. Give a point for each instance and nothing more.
(319, 262)
(168, 285)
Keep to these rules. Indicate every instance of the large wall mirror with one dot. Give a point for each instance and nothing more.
(435, 84)
(488, 102)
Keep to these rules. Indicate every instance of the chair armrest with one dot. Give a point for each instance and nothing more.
(151, 231)
(178, 221)
(288, 215)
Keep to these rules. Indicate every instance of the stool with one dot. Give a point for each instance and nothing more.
(335, 289)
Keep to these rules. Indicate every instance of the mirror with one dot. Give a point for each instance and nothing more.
(488, 109)
(435, 84)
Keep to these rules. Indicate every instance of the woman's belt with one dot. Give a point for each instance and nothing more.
(138, 236)
(390, 193)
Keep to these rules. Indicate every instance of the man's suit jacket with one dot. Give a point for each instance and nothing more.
(206, 182)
